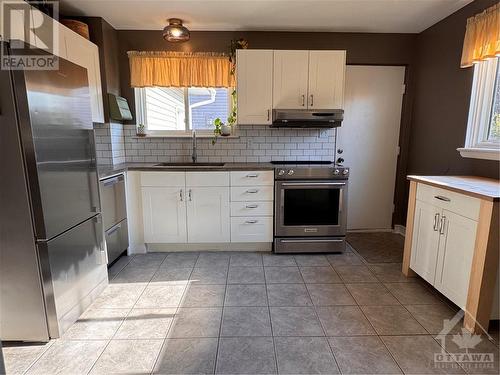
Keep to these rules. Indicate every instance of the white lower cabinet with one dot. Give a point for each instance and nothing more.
(425, 241)
(164, 215)
(443, 240)
(208, 214)
(252, 229)
(456, 249)
(204, 207)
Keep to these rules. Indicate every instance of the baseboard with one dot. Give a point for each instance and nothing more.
(400, 229)
(384, 230)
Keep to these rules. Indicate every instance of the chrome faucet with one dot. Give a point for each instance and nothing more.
(194, 155)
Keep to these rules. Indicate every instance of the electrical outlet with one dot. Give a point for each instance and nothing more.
(323, 134)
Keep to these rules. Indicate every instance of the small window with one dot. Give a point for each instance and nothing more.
(177, 111)
(483, 128)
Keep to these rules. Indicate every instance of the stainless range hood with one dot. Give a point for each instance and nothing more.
(307, 118)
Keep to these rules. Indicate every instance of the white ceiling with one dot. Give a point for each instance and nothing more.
(385, 16)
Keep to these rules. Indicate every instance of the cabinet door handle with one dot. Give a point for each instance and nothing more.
(312, 100)
(435, 225)
(190, 195)
(442, 224)
(251, 206)
(252, 175)
(268, 114)
(252, 191)
(251, 222)
(441, 198)
(303, 100)
(181, 195)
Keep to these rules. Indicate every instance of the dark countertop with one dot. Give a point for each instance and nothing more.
(105, 171)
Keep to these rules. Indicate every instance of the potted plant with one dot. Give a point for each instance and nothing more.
(221, 129)
(141, 130)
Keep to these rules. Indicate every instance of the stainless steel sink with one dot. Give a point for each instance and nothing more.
(190, 165)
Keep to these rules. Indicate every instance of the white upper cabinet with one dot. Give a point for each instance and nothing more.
(326, 79)
(86, 54)
(290, 81)
(255, 86)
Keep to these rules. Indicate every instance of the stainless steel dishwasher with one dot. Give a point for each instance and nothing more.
(114, 214)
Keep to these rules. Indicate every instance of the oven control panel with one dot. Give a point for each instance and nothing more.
(298, 173)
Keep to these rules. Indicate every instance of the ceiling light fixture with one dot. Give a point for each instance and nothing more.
(175, 31)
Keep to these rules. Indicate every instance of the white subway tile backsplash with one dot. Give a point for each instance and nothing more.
(255, 143)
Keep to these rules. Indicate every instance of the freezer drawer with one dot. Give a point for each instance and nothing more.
(117, 240)
(113, 201)
(73, 265)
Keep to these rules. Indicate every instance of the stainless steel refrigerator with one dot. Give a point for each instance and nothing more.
(52, 252)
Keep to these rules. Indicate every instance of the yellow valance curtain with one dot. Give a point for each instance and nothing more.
(180, 69)
(482, 37)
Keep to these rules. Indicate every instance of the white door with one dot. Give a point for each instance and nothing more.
(208, 214)
(255, 86)
(164, 214)
(326, 79)
(369, 139)
(425, 241)
(290, 79)
(456, 248)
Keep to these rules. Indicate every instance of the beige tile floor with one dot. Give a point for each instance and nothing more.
(233, 313)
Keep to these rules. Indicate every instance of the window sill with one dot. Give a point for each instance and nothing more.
(480, 153)
(198, 135)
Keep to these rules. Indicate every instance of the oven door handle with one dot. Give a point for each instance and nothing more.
(306, 184)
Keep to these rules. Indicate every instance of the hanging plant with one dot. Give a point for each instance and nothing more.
(220, 128)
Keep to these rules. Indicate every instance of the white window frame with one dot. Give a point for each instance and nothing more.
(141, 117)
(477, 144)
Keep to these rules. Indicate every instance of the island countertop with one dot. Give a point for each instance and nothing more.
(479, 187)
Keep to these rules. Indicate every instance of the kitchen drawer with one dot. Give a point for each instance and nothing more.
(251, 208)
(251, 193)
(252, 229)
(252, 178)
(200, 179)
(169, 179)
(116, 240)
(455, 202)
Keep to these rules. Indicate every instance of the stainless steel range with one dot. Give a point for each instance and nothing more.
(310, 207)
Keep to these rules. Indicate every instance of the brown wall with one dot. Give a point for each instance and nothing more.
(441, 103)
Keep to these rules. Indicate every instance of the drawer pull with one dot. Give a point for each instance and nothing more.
(252, 191)
(252, 175)
(251, 221)
(435, 225)
(251, 206)
(441, 198)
